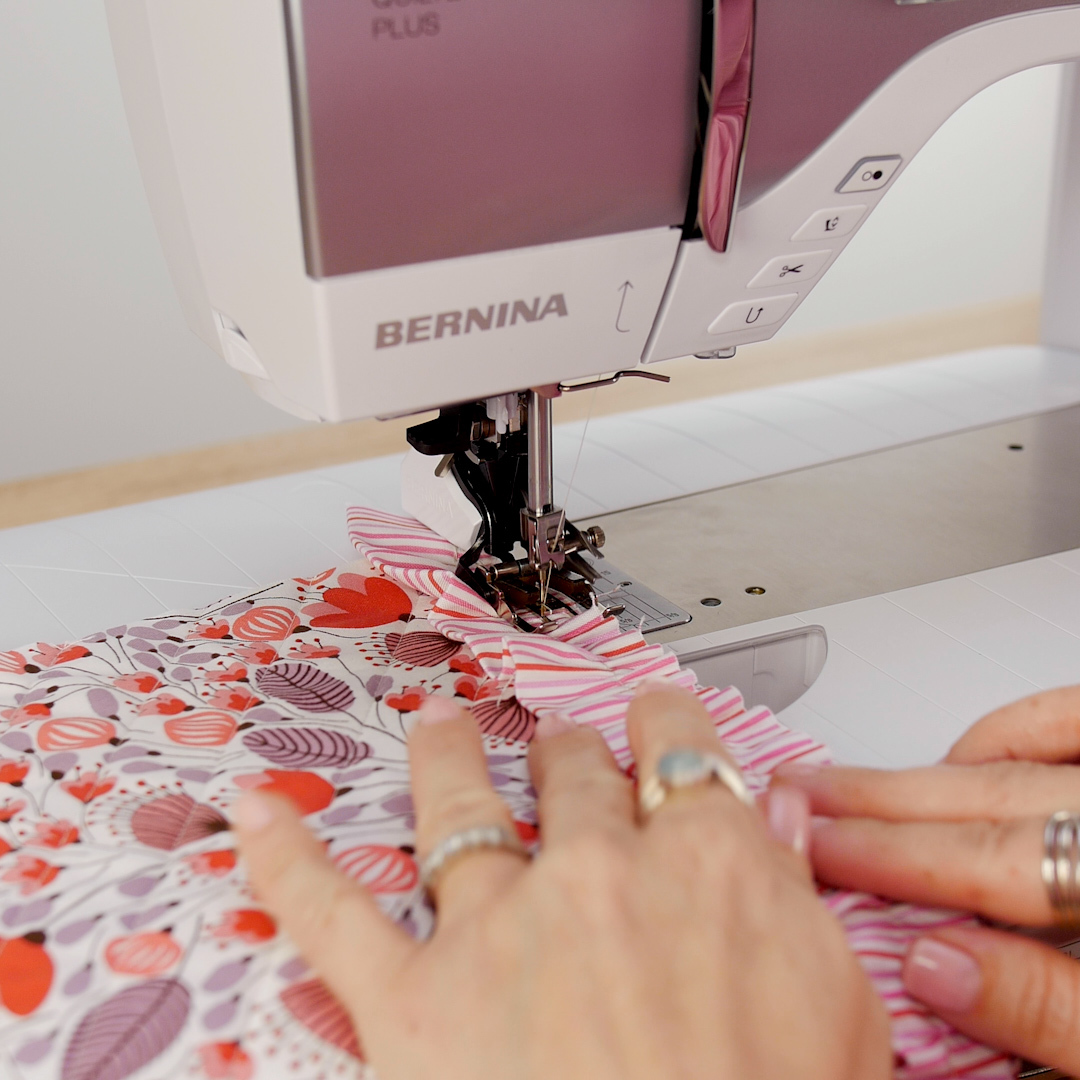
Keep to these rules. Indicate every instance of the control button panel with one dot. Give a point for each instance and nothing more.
(750, 313)
(825, 224)
(870, 174)
(790, 269)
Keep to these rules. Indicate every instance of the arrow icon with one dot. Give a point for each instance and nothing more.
(623, 288)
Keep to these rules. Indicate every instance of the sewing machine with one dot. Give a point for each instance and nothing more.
(382, 207)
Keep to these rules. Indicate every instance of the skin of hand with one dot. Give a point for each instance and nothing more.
(968, 834)
(691, 945)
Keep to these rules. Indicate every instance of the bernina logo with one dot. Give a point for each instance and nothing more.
(453, 323)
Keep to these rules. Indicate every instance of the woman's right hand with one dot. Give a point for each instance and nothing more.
(968, 834)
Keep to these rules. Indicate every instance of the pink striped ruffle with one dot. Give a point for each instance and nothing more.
(587, 669)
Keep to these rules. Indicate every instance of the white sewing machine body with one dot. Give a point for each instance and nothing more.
(376, 208)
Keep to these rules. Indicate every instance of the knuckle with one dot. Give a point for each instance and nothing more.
(593, 868)
(1048, 1006)
(466, 806)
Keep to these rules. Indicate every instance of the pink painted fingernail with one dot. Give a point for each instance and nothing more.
(252, 812)
(553, 724)
(436, 709)
(788, 817)
(942, 976)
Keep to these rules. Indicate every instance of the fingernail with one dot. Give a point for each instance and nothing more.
(941, 976)
(252, 812)
(652, 686)
(553, 724)
(436, 709)
(796, 770)
(788, 817)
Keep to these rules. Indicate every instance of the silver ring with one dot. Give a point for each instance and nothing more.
(685, 767)
(464, 841)
(1061, 865)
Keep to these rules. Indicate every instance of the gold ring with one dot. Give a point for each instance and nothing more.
(685, 767)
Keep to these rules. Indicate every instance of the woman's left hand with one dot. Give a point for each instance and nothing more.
(968, 834)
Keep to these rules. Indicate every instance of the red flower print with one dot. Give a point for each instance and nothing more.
(143, 954)
(30, 874)
(143, 683)
(237, 673)
(257, 654)
(248, 924)
(312, 652)
(466, 687)
(51, 655)
(318, 579)
(467, 665)
(163, 705)
(527, 834)
(10, 807)
(26, 973)
(212, 863)
(236, 700)
(215, 630)
(360, 602)
(307, 791)
(14, 663)
(13, 772)
(409, 700)
(26, 714)
(5, 847)
(88, 787)
(225, 1061)
(54, 834)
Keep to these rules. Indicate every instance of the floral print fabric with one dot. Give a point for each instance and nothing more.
(130, 942)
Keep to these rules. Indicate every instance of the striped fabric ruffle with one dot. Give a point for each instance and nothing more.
(587, 669)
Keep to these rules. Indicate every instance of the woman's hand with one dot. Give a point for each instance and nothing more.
(969, 834)
(690, 945)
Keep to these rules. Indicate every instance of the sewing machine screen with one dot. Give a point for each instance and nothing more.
(429, 130)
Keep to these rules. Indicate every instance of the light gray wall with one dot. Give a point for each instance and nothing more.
(97, 365)
(96, 361)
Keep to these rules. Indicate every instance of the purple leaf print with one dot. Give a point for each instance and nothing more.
(169, 648)
(196, 776)
(301, 747)
(143, 766)
(102, 702)
(134, 919)
(226, 976)
(116, 631)
(79, 982)
(35, 911)
(220, 1015)
(149, 633)
(320, 1012)
(32, 1052)
(294, 968)
(68, 935)
(378, 685)
(305, 686)
(198, 657)
(129, 751)
(340, 815)
(265, 715)
(174, 820)
(236, 609)
(138, 886)
(60, 763)
(126, 1032)
(148, 660)
(421, 647)
(17, 740)
(167, 624)
(181, 674)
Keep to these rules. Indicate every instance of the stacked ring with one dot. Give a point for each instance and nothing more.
(463, 842)
(685, 767)
(1061, 865)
